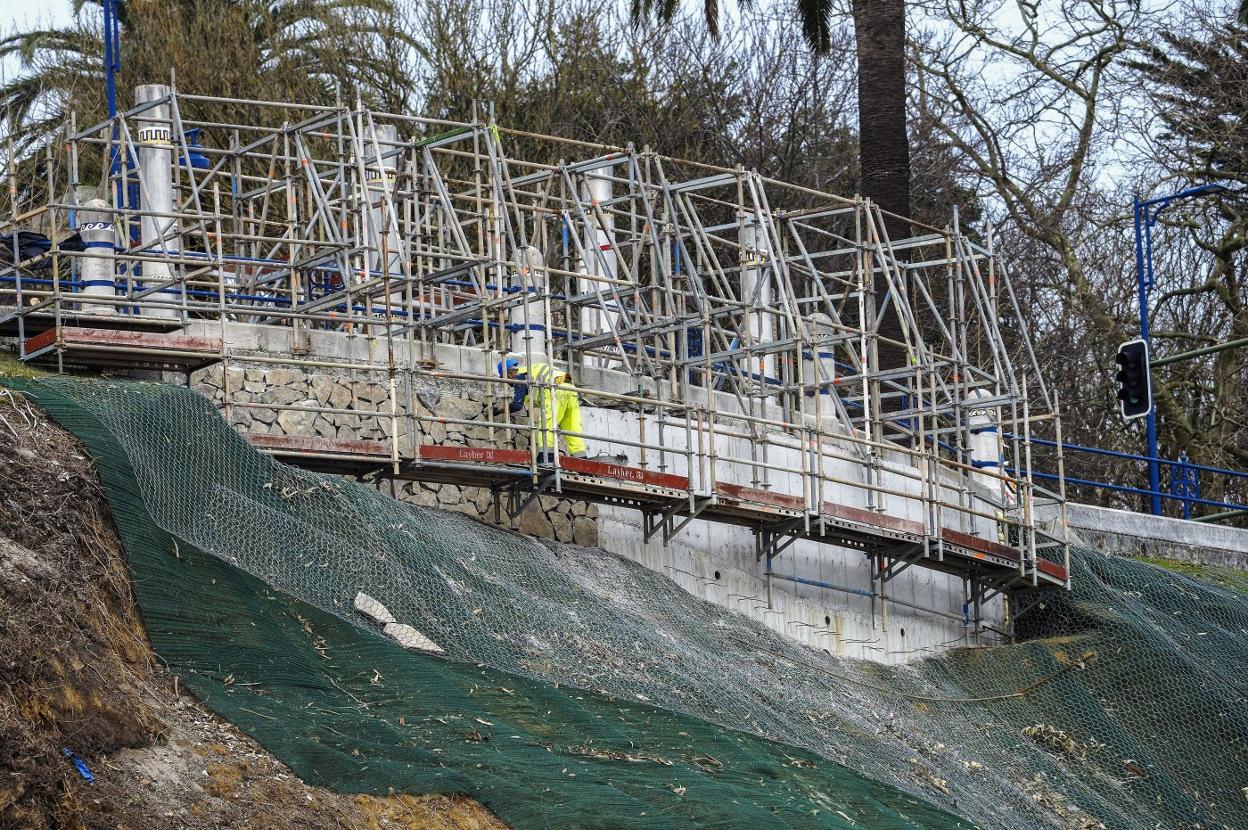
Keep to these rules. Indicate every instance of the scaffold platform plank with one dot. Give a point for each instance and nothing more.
(123, 348)
(324, 455)
(954, 551)
(36, 321)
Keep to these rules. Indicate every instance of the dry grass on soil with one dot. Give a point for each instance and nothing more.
(77, 672)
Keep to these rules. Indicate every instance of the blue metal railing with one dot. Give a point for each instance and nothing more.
(1184, 479)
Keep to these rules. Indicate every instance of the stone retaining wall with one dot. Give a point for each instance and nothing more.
(362, 403)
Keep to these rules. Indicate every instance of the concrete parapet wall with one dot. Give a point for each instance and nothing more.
(1140, 535)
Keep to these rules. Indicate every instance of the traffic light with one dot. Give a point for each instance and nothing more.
(1135, 387)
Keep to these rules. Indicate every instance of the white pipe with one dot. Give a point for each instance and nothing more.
(381, 175)
(529, 338)
(984, 446)
(599, 259)
(95, 271)
(158, 234)
(756, 291)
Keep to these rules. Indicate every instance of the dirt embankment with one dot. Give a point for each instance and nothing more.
(77, 676)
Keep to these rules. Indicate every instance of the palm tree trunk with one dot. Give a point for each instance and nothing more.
(884, 154)
(883, 148)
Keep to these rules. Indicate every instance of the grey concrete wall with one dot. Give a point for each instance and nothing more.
(1139, 535)
(842, 621)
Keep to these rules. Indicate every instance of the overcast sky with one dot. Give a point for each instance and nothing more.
(32, 11)
(26, 14)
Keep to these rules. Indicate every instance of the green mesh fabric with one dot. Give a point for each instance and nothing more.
(348, 709)
(1125, 708)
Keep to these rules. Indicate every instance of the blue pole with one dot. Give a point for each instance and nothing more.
(1143, 270)
(112, 63)
(112, 56)
(1187, 492)
(1145, 216)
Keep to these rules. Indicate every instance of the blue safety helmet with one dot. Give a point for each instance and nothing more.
(506, 365)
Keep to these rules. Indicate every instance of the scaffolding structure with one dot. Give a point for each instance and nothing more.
(736, 305)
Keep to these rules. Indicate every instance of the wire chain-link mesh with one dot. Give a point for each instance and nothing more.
(1124, 708)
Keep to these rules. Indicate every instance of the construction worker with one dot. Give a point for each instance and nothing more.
(560, 407)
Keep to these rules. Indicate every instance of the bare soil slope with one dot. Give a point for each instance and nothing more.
(77, 675)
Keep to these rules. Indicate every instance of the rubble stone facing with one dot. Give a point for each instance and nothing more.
(358, 407)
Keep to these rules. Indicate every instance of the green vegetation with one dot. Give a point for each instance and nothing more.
(12, 367)
(1234, 578)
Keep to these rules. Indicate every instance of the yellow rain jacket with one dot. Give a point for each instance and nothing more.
(560, 410)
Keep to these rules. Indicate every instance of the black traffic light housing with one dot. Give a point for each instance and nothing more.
(1135, 386)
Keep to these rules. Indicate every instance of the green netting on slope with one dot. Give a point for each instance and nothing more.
(350, 710)
(1130, 711)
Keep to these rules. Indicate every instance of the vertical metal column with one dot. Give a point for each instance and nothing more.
(158, 230)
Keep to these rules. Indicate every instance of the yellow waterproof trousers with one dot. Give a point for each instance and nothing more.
(564, 412)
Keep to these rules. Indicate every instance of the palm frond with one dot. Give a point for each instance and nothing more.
(663, 11)
(816, 16)
(25, 46)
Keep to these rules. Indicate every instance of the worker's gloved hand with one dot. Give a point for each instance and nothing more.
(497, 411)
